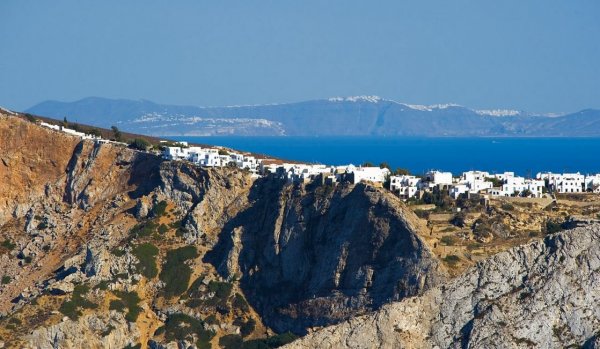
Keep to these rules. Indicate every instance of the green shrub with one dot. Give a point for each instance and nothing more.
(72, 308)
(159, 209)
(117, 304)
(222, 290)
(143, 229)
(231, 341)
(506, 206)
(6, 279)
(175, 273)
(102, 285)
(9, 245)
(146, 254)
(451, 259)
(130, 301)
(181, 326)
(139, 144)
(246, 327)
(42, 226)
(162, 229)
(239, 302)
(448, 240)
(30, 118)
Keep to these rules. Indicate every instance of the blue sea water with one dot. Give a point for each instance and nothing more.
(525, 156)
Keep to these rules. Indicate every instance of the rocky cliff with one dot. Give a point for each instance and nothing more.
(313, 255)
(541, 295)
(104, 246)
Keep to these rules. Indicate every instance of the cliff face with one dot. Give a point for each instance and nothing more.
(314, 255)
(544, 294)
(111, 247)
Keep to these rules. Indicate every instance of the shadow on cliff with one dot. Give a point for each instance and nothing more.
(145, 174)
(316, 255)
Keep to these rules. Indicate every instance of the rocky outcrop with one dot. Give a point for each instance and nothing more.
(312, 255)
(90, 331)
(544, 294)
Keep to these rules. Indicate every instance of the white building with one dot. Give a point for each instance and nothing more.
(457, 189)
(564, 183)
(405, 186)
(503, 176)
(371, 174)
(175, 153)
(592, 183)
(435, 178)
(514, 186)
(475, 181)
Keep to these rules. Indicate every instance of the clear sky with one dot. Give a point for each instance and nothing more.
(536, 55)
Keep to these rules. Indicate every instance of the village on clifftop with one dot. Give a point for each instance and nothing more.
(400, 182)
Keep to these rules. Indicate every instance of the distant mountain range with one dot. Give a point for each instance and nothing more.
(349, 116)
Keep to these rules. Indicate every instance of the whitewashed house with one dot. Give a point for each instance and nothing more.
(405, 186)
(514, 186)
(371, 174)
(564, 183)
(475, 181)
(457, 189)
(436, 178)
(592, 183)
(503, 176)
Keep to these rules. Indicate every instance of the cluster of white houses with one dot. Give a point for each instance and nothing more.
(405, 186)
(502, 184)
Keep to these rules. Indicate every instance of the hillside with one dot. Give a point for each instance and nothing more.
(105, 246)
(540, 295)
(353, 116)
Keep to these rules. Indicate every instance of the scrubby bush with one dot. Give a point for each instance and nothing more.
(143, 229)
(451, 259)
(146, 254)
(239, 302)
(6, 279)
(506, 206)
(7, 244)
(447, 240)
(181, 327)
(175, 273)
(78, 301)
(139, 144)
(129, 300)
(159, 209)
(231, 341)
(162, 229)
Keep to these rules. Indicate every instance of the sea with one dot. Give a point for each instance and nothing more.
(524, 156)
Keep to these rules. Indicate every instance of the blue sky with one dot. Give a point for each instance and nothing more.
(533, 55)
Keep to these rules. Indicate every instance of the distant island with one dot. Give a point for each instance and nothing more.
(348, 116)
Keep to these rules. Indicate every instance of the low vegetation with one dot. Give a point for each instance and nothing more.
(73, 307)
(127, 301)
(181, 326)
(146, 255)
(159, 209)
(144, 229)
(175, 273)
(7, 244)
(452, 259)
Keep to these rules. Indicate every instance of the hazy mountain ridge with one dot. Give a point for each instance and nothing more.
(348, 116)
